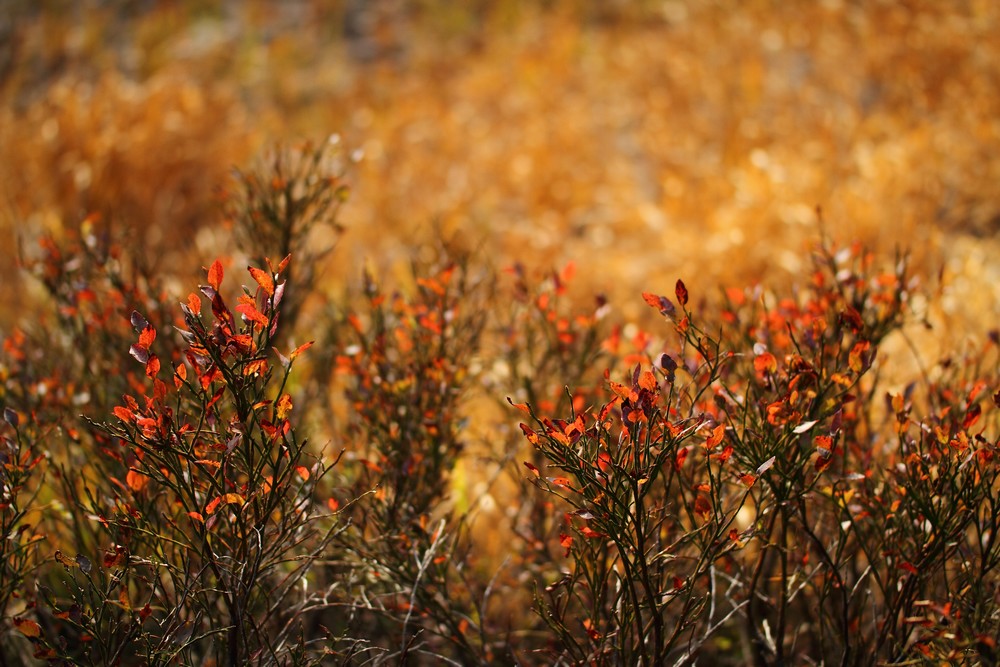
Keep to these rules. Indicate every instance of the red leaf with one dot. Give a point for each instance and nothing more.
(532, 469)
(972, 416)
(587, 532)
(702, 506)
(263, 279)
(215, 274)
(123, 413)
(681, 292)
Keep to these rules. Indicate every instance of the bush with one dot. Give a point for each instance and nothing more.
(749, 490)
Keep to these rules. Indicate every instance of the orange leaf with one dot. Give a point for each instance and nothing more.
(748, 479)
(263, 279)
(648, 381)
(123, 413)
(251, 313)
(215, 274)
(589, 533)
(565, 541)
(300, 349)
(27, 627)
(858, 359)
(718, 433)
(532, 469)
(283, 406)
(333, 504)
(303, 472)
(152, 366)
(226, 499)
(136, 480)
(194, 303)
(147, 337)
(523, 407)
(765, 363)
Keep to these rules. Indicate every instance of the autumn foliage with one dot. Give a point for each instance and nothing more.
(225, 442)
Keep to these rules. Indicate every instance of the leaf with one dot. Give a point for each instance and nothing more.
(250, 312)
(226, 499)
(680, 291)
(647, 381)
(765, 363)
(299, 350)
(661, 303)
(152, 366)
(589, 533)
(263, 279)
(972, 416)
(803, 427)
(302, 472)
(139, 354)
(10, 416)
(136, 480)
(748, 480)
(566, 541)
(84, 563)
(560, 481)
(197, 516)
(146, 337)
(283, 406)
(718, 433)
(858, 360)
(139, 322)
(122, 413)
(523, 407)
(194, 303)
(27, 627)
(724, 455)
(765, 466)
(215, 274)
(65, 561)
(532, 469)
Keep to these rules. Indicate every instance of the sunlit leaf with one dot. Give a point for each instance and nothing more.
(215, 274)
(283, 406)
(299, 350)
(263, 278)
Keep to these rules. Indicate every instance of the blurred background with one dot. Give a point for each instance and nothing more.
(644, 140)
